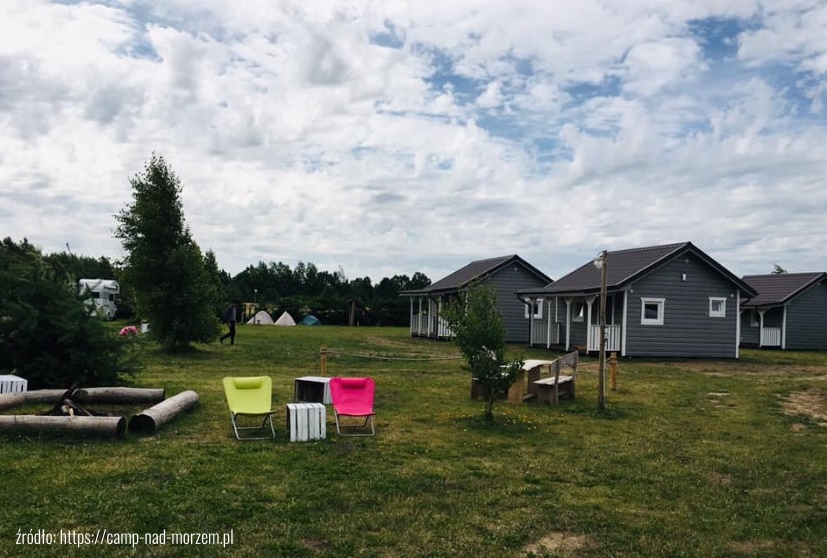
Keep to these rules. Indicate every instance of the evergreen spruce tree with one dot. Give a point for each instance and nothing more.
(47, 333)
(164, 266)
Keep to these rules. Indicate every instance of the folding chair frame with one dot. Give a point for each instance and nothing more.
(259, 409)
(346, 429)
(267, 417)
(368, 419)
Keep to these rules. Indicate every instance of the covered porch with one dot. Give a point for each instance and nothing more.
(567, 322)
(426, 320)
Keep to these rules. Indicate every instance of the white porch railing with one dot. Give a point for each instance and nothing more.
(771, 337)
(443, 330)
(553, 336)
(423, 325)
(420, 325)
(538, 332)
(612, 338)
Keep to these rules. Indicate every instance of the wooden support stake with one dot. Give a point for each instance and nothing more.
(613, 369)
(324, 360)
(150, 420)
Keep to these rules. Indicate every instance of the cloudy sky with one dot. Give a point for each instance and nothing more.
(385, 137)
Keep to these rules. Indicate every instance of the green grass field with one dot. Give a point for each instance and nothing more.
(692, 458)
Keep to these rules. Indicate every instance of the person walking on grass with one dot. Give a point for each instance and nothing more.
(231, 315)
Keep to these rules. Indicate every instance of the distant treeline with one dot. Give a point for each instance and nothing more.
(276, 288)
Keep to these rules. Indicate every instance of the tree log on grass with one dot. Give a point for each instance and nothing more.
(150, 420)
(120, 395)
(102, 426)
(106, 395)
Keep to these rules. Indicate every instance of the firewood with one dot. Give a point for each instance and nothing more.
(103, 426)
(150, 420)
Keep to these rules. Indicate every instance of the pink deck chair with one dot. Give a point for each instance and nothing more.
(353, 397)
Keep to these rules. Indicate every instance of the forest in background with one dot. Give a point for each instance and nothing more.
(276, 288)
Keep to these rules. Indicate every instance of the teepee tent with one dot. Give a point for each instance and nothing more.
(261, 317)
(285, 320)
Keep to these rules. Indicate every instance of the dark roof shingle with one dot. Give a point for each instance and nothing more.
(627, 265)
(477, 269)
(778, 288)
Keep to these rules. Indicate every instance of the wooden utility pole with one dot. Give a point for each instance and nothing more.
(602, 262)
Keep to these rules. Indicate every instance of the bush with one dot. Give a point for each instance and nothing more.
(47, 334)
(479, 334)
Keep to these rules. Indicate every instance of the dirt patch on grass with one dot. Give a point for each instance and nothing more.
(565, 545)
(751, 547)
(811, 403)
(316, 544)
(731, 368)
(719, 479)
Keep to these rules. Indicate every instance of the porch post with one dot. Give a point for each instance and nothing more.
(589, 303)
(784, 329)
(412, 315)
(761, 328)
(568, 322)
(624, 322)
(737, 324)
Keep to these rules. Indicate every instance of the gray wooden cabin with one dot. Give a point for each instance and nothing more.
(506, 275)
(671, 300)
(790, 312)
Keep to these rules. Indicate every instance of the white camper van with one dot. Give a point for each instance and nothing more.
(103, 292)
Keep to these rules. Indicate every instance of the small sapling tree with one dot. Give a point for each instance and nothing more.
(479, 334)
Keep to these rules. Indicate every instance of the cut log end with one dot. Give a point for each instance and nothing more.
(142, 424)
(150, 420)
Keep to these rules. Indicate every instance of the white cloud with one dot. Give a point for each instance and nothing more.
(395, 137)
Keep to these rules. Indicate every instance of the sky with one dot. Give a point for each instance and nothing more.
(382, 138)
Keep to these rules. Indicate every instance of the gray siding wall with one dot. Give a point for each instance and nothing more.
(750, 336)
(807, 320)
(774, 317)
(687, 330)
(507, 282)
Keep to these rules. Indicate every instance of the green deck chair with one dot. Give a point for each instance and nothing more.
(250, 397)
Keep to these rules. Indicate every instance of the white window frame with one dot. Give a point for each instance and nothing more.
(661, 304)
(538, 309)
(578, 316)
(720, 313)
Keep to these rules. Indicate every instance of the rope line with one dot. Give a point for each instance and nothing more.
(330, 352)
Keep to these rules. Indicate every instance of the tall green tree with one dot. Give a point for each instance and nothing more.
(164, 266)
(216, 283)
(47, 333)
(479, 334)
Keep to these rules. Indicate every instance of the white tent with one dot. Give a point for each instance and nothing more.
(261, 317)
(285, 320)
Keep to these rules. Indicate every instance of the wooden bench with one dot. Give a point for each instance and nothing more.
(549, 389)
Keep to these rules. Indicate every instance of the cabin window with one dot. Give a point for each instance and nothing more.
(717, 307)
(651, 311)
(537, 308)
(578, 311)
(753, 318)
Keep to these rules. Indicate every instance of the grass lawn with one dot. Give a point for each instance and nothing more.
(692, 458)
